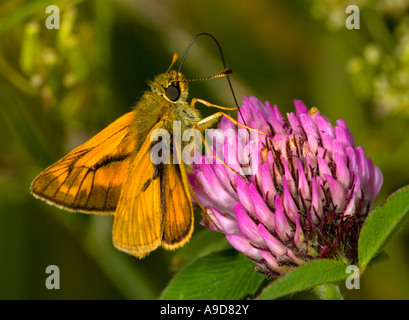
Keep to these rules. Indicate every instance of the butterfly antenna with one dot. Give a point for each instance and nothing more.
(224, 64)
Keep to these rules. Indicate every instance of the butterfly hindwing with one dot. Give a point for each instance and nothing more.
(178, 225)
(90, 178)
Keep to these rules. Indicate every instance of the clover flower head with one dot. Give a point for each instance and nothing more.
(308, 194)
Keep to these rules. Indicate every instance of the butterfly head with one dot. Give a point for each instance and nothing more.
(171, 85)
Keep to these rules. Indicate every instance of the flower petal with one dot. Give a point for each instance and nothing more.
(267, 185)
(263, 212)
(243, 245)
(344, 135)
(288, 202)
(324, 127)
(295, 124)
(300, 108)
(342, 172)
(324, 168)
(299, 238)
(316, 200)
(281, 226)
(247, 226)
(288, 177)
(271, 262)
(225, 223)
(275, 246)
(243, 194)
(337, 192)
(303, 187)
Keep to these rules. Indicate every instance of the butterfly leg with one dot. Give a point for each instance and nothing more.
(214, 117)
(207, 123)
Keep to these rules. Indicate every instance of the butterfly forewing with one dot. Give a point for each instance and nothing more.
(90, 178)
(138, 220)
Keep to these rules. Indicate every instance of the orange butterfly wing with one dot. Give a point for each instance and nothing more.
(90, 178)
(178, 224)
(155, 207)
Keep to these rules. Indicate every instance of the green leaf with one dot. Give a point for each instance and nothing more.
(202, 243)
(328, 291)
(227, 275)
(381, 225)
(305, 277)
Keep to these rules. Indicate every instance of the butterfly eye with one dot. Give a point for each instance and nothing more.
(173, 92)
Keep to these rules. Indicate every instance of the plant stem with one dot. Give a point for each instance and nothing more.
(328, 291)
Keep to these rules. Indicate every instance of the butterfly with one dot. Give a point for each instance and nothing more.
(113, 172)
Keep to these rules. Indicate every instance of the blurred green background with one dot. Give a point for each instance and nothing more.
(60, 87)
